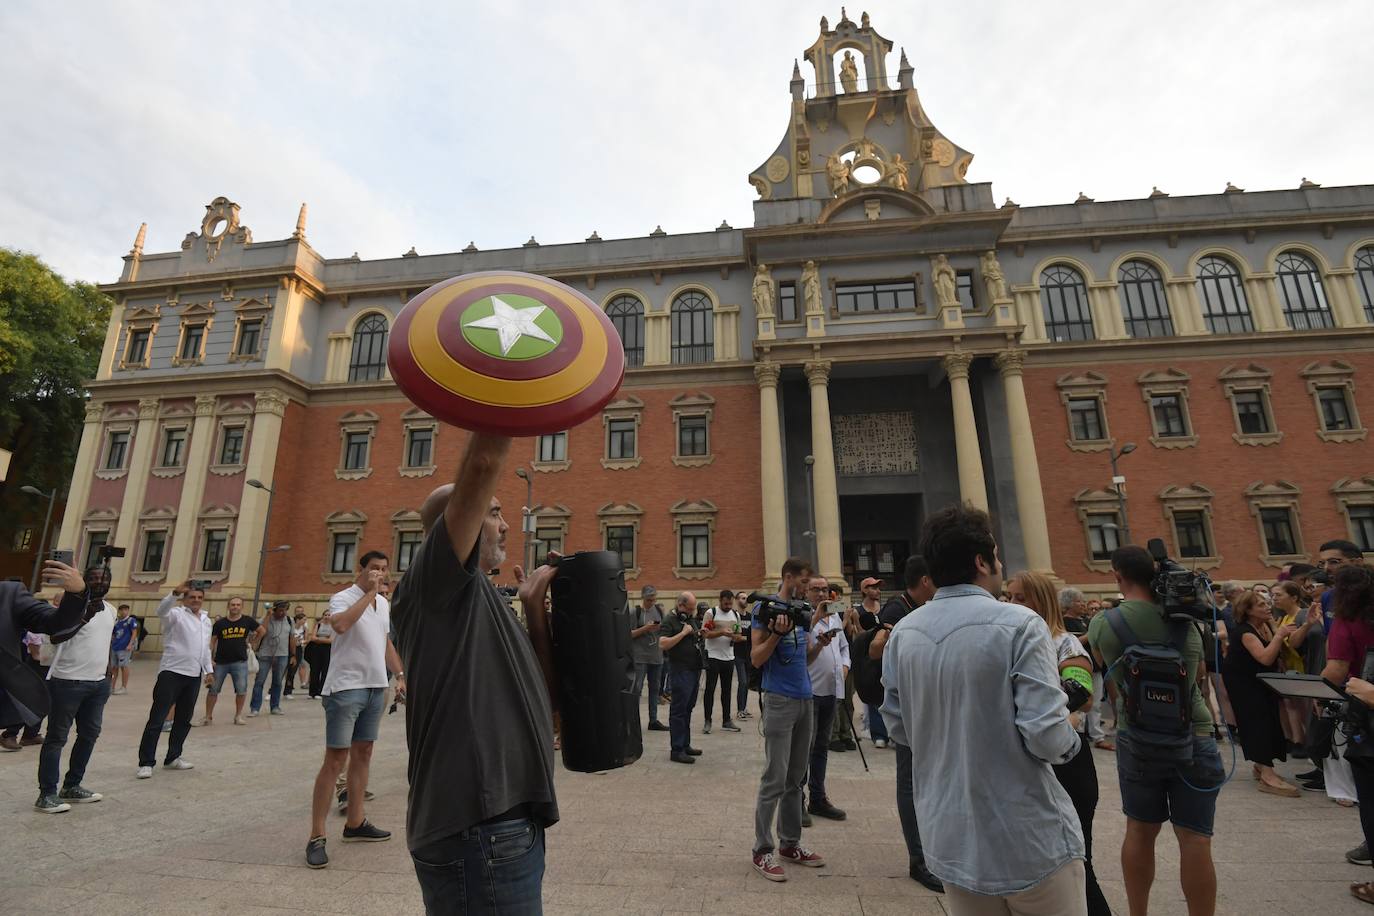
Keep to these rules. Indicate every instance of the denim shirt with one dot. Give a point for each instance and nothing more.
(972, 687)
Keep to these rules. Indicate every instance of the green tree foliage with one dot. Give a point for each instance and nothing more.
(51, 334)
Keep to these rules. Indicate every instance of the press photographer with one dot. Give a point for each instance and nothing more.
(680, 639)
(1167, 760)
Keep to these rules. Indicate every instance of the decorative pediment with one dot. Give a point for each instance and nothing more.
(1331, 370)
(873, 203)
(347, 517)
(1348, 487)
(407, 519)
(620, 510)
(698, 507)
(415, 413)
(204, 309)
(102, 514)
(359, 418)
(624, 404)
(551, 513)
(224, 511)
(1090, 498)
(1087, 379)
(159, 512)
(176, 409)
(1283, 491)
(1250, 372)
(697, 400)
(253, 305)
(137, 313)
(1170, 376)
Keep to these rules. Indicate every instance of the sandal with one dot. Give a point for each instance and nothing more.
(1284, 791)
(1364, 891)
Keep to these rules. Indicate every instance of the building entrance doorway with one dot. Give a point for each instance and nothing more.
(880, 532)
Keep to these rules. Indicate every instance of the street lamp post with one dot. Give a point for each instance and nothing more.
(1117, 482)
(43, 542)
(810, 532)
(526, 516)
(262, 554)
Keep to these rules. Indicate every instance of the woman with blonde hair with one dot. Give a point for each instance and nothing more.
(1079, 776)
(1255, 648)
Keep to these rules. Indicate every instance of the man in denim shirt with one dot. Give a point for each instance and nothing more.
(973, 686)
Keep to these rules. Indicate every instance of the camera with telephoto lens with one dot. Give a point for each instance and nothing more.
(1183, 593)
(771, 607)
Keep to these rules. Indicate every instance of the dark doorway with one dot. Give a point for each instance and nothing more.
(880, 532)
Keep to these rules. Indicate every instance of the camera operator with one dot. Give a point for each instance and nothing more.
(788, 725)
(1154, 791)
(680, 639)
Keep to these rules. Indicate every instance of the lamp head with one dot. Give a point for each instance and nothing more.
(257, 483)
(1127, 448)
(32, 491)
(522, 473)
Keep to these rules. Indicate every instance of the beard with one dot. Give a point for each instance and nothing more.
(493, 553)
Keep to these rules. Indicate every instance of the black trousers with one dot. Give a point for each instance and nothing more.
(170, 690)
(319, 668)
(1362, 768)
(724, 672)
(1079, 779)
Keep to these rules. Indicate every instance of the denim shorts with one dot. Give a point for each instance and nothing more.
(238, 670)
(352, 715)
(1154, 793)
(119, 658)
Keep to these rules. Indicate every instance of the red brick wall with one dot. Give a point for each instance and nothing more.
(1217, 462)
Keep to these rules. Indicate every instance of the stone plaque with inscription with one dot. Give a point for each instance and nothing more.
(875, 443)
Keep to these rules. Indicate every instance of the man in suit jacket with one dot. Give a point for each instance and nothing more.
(23, 695)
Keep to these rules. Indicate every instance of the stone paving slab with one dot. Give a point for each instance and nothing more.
(654, 838)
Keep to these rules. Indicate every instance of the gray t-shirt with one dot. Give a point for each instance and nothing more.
(644, 650)
(277, 639)
(478, 722)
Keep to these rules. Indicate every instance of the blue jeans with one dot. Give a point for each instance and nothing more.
(685, 684)
(495, 867)
(84, 703)
(820, 745)
(653, 674)
(877, 728)
(276, 664)
(906, 807)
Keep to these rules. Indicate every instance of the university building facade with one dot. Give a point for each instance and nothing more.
(885, 339)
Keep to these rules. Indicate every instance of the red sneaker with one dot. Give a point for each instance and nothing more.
(801, 855)
(765, 865)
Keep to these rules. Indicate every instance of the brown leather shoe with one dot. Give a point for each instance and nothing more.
(30, 741)
(9, 742)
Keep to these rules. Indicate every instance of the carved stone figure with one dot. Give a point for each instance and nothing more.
(866, 149)
(837, 170)
(863, 21)
(811, 288)
(849, 73)
(993, 278)
(946, 292)
(764, 290)
(897, 171)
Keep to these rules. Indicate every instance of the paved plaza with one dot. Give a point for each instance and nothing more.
(656, 837)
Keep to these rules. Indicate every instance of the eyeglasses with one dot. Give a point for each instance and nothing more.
(1333, 561)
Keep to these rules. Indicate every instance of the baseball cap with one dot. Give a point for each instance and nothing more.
(648, 591)
(870, 581)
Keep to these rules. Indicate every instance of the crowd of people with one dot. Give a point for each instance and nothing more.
(978, 771)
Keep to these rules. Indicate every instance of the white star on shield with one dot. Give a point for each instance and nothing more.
(511, 324)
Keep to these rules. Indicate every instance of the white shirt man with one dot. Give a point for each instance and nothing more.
(78, 688)
(827, 662)
(185, 659)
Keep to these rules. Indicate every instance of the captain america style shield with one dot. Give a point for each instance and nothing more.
(507, 353)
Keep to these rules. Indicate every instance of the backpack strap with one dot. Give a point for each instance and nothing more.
(1117, 621)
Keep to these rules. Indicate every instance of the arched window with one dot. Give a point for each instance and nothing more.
(1364, 279)
(1304, 300)
(1143, 302)
(1064, 302)
(627, 314)
(368, 362)
(693, 328)
(1223, 297)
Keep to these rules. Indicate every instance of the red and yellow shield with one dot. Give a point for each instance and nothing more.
(506, 352)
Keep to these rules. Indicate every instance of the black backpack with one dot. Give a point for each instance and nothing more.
(1158, 691)
(867, 673)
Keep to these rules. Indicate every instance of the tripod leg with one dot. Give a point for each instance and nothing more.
(858, 742)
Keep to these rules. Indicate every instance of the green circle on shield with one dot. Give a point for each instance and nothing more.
(511, 326)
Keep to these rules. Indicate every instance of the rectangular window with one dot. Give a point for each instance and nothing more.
(695, 547)
(173, 448)
(192, 336)
(620, 439)
(406, 545)
(138, 345)
(620, 540)
(1190, 529)
(216, 544)
(1335, 409)
(1278, 532)
(154, 546)
(250, 333)
(691, 437)
(1168, 416)
(231, 450)
(1362, 527)
(341, 555)
(355, 451)
(1085, 420)
(963, 289)
(787, 302)
(1250, 412)
(1104, 535)
(117, 451)
(420, 447)
(23, 540)
(553, 447)
(546, 539)
(95, 541)
(861, 298)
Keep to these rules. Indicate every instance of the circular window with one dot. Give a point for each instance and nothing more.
(866, 174)
(215, 228)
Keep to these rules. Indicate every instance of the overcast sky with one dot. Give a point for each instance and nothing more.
(404, 123)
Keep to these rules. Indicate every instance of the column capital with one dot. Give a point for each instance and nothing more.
(766, 374)
(95, 411)
(269, 401)
(147, 408)
(1010, 361)
(956, 364)
(818, 371)
(205, 405)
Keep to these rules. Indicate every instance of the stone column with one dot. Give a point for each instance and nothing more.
(135, 485)
(286, 324)
(825, 495)
(771, 471)
(1030, 498)
(268, 409)
(193, 489)
(79, 493)
(972, 487)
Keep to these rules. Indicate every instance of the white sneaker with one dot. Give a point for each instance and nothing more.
(144, 773)
(278, 712)
(252, 713)
(205, 720)
(179, 764)
(240, 720)
(879, 742)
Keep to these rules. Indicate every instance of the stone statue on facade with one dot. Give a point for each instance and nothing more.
(811, 288)
(837, 170)
(946, 291)
(897, 173)
(866, 149)
(849, 73)
(764, 290)
(993, 278)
